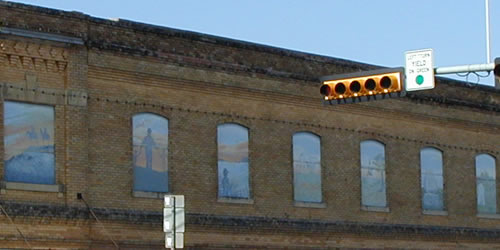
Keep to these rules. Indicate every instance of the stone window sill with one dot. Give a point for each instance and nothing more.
(489, 216)
(435, 212)
(150, 195)
(50, 188)
(235, 200)
(376, 209)
(309, 204)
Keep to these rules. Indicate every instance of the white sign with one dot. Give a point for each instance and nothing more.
(173, 221)
(174, 240)
(168, 219)
(169, 200)
(419, 70)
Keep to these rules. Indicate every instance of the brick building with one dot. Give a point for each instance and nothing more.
(122, 113)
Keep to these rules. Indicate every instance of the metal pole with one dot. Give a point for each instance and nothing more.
(174, 225)
(464, 68)
(488, 48)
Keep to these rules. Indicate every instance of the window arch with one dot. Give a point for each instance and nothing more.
(232, 161)
(431, 179)
(373, 186)
(486, 184)
(306, 167)
(150, 152)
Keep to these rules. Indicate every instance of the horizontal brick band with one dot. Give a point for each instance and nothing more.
(251, 223)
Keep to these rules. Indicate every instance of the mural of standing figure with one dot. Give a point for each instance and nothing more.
(150, 152)
(481, 200)
(232, 161)
(148, 142)
(226, 187)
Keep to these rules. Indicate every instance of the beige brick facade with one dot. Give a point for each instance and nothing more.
(98, 73)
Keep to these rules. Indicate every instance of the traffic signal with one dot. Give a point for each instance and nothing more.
(363, 86)
(497, 67)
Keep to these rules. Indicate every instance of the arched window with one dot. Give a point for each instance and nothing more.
(486, 184)
(150, 152)
(29, 143)
(373, 174)
(431, 178)
(306, 167)
(232, 141)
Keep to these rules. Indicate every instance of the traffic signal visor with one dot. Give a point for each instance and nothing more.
(384, 82)
(496, 70)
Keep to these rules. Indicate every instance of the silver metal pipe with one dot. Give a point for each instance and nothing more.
(464, 68)
(488, 45)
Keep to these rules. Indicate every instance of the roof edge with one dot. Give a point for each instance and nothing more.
(198, 36)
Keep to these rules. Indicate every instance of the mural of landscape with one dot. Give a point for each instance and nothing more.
(486, 184)
(306, 167)
(373, 174)
(232, 141)
(431, 167)
(150, 154)
(29, 143)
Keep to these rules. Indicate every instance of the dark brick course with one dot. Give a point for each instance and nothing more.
(251, 223)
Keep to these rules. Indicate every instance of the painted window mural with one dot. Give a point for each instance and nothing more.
(150, 154)
(232, 141)
(431, 174)
(486, 184)
(29, 143)
(307, 167)
(373, 174)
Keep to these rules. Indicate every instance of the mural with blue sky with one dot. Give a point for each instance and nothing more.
(373, 174)
(29, 143)
(232, 141)
(486, 184)
(307, 167)
(432, 182)
(150, 154)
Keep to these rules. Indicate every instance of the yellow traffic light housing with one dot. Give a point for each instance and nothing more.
(363, 86)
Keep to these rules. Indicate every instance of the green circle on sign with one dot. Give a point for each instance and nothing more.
(420, 79)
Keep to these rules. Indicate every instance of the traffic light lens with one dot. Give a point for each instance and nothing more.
(325, 90)
(355, 86)
(385, 82)
(370, 84)
(340, 88)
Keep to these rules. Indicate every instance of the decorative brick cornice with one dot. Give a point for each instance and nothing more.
(33, 56)
(200, 51)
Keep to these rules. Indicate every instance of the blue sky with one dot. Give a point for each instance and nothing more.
(370, 31)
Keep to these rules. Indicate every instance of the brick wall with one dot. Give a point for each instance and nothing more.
(198, 82)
